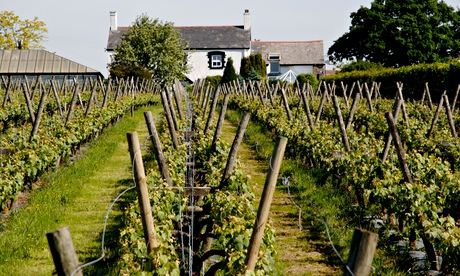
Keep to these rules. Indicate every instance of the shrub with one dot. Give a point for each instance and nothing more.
(229, 72)
(214, 81)
(361, 65)
(308, 78)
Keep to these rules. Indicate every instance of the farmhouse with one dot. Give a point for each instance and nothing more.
(209, 47)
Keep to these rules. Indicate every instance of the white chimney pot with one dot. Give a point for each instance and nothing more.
(247, 20)
(113, 21)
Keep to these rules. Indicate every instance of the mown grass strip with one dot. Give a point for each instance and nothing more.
(298, 252)
(76, 196)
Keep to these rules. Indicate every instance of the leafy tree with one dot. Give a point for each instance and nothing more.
(229, 72)
(153, 46)
(253, 67)
(20, 34)
(261, 65)
(400, 32)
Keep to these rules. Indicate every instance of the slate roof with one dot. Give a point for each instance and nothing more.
(200, 37)
(39, 61)
(292, 52)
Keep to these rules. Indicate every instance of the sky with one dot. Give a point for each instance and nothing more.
(78, 29)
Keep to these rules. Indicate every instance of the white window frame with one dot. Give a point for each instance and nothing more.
(216, 61)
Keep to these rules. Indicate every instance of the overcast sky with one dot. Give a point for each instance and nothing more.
(78, 29)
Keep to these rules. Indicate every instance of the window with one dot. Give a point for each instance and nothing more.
(216, 59)
(274, 60)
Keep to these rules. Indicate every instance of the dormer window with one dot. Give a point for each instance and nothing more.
(216, 60)
(274, 60)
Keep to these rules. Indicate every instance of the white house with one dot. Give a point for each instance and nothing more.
(209, 48)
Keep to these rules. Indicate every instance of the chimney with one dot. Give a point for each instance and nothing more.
(113, 21)
(247, 20)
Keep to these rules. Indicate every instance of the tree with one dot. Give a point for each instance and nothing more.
(20, 34)
(245, 67)
(253, 67)
(229, 72)
(153, 46)
(400, 32)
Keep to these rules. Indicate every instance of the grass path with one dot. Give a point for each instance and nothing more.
(76, 196)
(297, 250)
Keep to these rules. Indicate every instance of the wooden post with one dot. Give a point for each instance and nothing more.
(320, 108)
(404, 110)
(234, 149)
(142, 192)
(72, 104)
(41, 106)
(177, 98)
(455, 98)
(171, 108)
(427, 89)
(386, 148)
(286, 104)
(7, 91)
(91, 100)
(344, 91)
(64, 257)
(449, 116)
(56, 96)
(265, 203)
(351, 114)
(368, 97)
(436, 116)
(399, 148)
(306, 108)
(172, 131)
(211, 111)
(220, 122)
(341, 124)
(25, 90)
(363, 245)
(157, 148)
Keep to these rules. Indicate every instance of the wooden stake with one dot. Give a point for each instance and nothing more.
(211, 111)
(306, 108)
(265, 203)
(455, 98)
(142, 192)
(25, 91)
(399, 148)
(157, 148)
(320, 108)
(171, 128)
(449, 116)
(351, 114)
(341, 124)
(363, 245)
(171, 109)
(234, 149)
(386, 148)
(64, 257)
(220, 122)
(41, 106)
(286, 104)
(436, 116)
(72, 104)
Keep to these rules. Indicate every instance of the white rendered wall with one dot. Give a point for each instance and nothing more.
(199, 66)
(297, 69)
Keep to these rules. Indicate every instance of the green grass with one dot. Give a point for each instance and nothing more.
(316, 192)
(76, 196)
(298, 252)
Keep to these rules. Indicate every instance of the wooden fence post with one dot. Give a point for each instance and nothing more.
(341, 124)
(399, 148)
(142, 192)
(157, 147)
(41, 106)
(211, 111)
(363, 245)
(64, 257)
(450, 117)
(265, 203)
(220, 122)
(351, 114)
(286, 104)
(169, 120)
(436, 116)
(234, 149)
(306, 108)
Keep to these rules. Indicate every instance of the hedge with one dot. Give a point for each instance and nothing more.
(440, 77)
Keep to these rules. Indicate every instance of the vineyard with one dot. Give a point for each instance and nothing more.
(190, 208)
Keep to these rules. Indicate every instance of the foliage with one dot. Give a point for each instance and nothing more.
(360, 65)
(126, 71)
(307, 78)
(154, 46)
(20, 34)
(440, 77)
(397, 33)
(253, 67)
(214, 81)
(229, 72)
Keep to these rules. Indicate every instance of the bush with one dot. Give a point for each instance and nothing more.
(126, 71)
(253, 67)
(361, 65)
(308, 78)
(214, 81)
(229, 72)
(440, 76)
